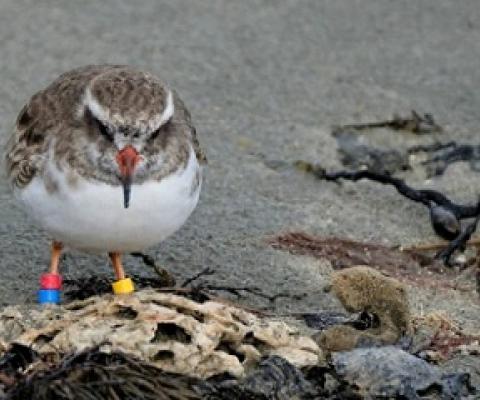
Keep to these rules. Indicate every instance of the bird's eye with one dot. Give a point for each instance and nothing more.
(104, 130)
(161, 129)
(154, 134)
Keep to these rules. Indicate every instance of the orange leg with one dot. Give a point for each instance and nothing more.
(117, 265)
(122, 285)
(51, 283)
(55, 257)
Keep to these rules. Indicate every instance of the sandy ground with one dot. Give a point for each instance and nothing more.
(265, 81)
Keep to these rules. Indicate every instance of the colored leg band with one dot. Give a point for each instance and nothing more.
(51, 281)
(123, 286)
(49, 296)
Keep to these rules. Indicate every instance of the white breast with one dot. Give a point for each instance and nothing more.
(90, 216)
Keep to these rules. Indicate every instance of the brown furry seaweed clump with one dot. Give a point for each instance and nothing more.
(363, 289)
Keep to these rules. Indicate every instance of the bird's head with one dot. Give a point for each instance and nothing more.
(126, 114)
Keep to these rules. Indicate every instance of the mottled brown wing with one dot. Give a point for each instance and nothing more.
(201, 156)
(24, 149)
(46, 115)
(183, 114)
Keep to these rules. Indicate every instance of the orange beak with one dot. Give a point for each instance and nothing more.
(127, 160)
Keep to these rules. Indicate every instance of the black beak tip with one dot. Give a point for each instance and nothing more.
(126, 194)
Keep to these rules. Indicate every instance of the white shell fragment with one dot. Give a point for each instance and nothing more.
(172, 332)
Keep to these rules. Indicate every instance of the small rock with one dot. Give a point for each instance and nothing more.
(389, 372)
(274, 378)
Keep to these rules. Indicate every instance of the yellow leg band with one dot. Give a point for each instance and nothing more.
(123, 286)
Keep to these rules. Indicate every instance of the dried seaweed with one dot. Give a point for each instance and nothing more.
(93, 374)
(85, 287)
(459, 242)
(355, 154)
(445, 344)
(94, 285)
(239, 290)
(427, 197)
(378, 165)
(16, 358)
(477, 278)
(82, 288)
(343, 253)
(274, 378)
(413, 267)
(382, 303)
(163, 274)
(204, 272)
(441, 155)
(415, 123)
(445, 215)
(325, 319)
(234, 290)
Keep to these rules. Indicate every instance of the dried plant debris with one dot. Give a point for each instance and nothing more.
(92, 374)
(415, 123)
(355, 154)
(412, 267)
(433, 157)
(325, 319)
(440, 155)
(437, 338)
(363, 289)
(170, 331)
(380, 164)
(382, 299)
(445, 215)
(164, 276)
(102, 348)
(459, 242)
(343, 253)
(427, 197)
(204, 272)
(274, 378)
(389, 372)
(18, 357)
(95, 285)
